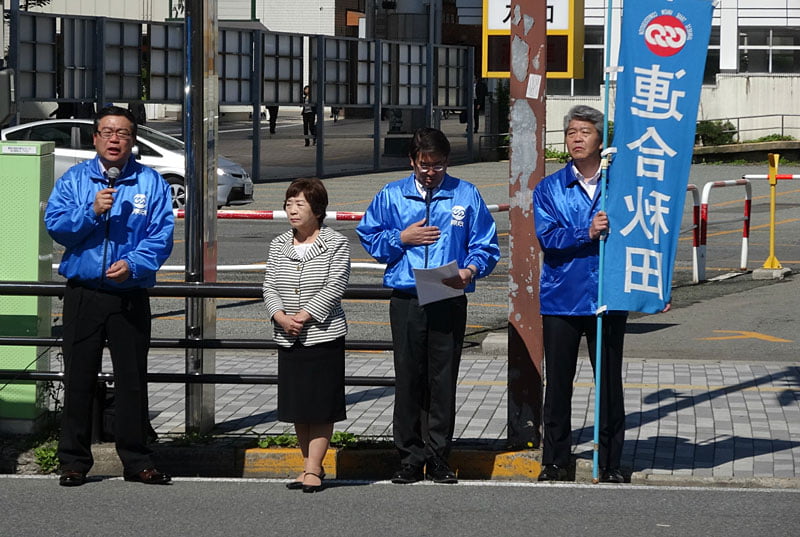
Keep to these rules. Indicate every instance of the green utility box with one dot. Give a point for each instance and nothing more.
(26, 254)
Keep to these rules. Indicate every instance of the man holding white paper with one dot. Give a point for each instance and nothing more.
(424, 221)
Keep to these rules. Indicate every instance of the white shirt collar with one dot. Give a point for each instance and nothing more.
(588, 184)
(421, 189)
(587, 180)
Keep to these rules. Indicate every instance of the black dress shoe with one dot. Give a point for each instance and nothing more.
(71, 478)
(149, 476)
(611, 475)
(408, 473)
(552, 472)
(438, 471)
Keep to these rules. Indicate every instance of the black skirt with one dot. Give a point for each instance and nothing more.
(311, 383)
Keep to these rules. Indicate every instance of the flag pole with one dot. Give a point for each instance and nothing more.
(601, 308)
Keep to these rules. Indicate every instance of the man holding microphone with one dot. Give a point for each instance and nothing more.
(114, 218)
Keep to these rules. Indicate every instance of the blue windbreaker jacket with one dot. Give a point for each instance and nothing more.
(140, 230)
(563, 213)
(468, 232)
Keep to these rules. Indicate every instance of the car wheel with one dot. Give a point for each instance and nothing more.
(177, 189)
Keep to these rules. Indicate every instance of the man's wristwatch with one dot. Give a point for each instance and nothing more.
(474, 273)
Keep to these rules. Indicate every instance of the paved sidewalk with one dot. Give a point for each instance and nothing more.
(698, 419)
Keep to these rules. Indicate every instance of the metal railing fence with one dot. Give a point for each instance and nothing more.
(200, 290)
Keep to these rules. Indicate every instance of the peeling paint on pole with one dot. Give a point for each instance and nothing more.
(527, 113)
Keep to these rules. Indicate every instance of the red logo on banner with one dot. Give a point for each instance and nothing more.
(665, 35)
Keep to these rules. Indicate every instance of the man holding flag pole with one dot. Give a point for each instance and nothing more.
(569, 226)
(658, 92)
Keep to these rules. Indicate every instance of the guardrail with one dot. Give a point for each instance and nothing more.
(764, 123)
(201, 290)
(704, 223)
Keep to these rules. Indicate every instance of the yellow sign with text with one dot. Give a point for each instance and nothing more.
(564, 38)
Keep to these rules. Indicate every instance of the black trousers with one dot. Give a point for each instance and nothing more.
(123, 319)
(309, 125)
(562, 337)
(273, 118)
(427, 352)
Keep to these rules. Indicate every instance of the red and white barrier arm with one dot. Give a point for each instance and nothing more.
(779, 177)
(233, 214)
(261, 267)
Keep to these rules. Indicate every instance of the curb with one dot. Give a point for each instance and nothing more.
(495, 343)
(234, 460)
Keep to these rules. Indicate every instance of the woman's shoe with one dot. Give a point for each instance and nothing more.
(297, 484)
(315, 488)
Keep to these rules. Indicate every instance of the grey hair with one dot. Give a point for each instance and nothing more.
(582, 112)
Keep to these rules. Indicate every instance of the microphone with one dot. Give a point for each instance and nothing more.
(112, 174)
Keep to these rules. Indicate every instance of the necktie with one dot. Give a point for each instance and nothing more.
(428, 196)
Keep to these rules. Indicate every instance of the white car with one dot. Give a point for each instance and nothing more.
(163, 153)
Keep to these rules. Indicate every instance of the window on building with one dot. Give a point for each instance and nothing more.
(712, 58)
(769, 50)
(593, 68)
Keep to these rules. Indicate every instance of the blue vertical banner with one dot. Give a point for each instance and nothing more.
(662, 56)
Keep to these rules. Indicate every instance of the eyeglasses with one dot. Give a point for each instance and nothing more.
(122, 134)
(425, 168)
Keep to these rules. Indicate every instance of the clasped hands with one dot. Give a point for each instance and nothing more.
(292, 324)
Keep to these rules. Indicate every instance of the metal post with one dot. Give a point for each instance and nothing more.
(100, 66)
(377, 105)
(200, 127)
(469, 74)
(430, 73)
(527, 109)
(257, 83)
(319, 65)
(772, 261)
(13, 53)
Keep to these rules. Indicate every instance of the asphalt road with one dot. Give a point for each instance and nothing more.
(36, 507)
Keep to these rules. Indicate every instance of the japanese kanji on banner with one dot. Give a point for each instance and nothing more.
(662, 56)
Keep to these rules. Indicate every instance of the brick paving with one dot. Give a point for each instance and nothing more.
(700, 418)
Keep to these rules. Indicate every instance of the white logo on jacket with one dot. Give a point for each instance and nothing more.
(140, 204)
(458, 213)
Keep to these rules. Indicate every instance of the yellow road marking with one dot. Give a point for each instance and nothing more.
(264, 320)
(741, 201)
(744, 334)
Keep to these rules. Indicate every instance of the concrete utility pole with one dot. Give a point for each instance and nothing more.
(201, 106)
(527, 111)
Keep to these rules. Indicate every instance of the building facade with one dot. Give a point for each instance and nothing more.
(752, 69)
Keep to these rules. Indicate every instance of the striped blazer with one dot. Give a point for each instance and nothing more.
(314, 283)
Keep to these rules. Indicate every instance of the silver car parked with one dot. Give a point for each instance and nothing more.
(163, 153)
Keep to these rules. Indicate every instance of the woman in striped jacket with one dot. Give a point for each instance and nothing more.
(308, 268)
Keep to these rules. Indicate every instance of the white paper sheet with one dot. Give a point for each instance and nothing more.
(429, 283)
